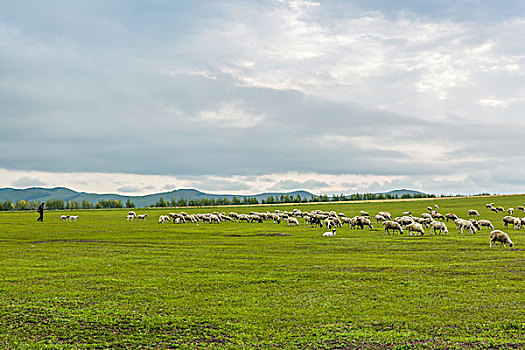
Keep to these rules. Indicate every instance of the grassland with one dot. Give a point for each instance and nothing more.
(104, 282)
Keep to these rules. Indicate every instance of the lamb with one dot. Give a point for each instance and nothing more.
(438, 225)
(394, 226)
(142, 217)
(473, 212)
(73, 217)
(462, 224)
(500, 236)
(329, 233)
(485, 223)
(407, 213)
(510, 211)
(415, 227)
(130, 217)
(64, 217)
(132, 213)
(292, 221)
(164, 218)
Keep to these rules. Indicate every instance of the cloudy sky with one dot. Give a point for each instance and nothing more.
(243, 97)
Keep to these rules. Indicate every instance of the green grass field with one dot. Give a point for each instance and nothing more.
(104, 282)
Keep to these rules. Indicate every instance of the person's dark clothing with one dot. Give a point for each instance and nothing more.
(40, 211)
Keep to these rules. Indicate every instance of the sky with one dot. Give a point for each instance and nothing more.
(244, 97)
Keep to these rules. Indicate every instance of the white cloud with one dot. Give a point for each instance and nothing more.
(498, 103)
(231, 115)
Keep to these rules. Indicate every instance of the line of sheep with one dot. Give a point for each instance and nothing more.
(332, 220)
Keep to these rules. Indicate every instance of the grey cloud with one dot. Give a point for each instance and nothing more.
(285, 185)
(26, 181)
(135, 188)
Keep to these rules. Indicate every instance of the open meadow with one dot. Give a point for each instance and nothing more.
(105, 282)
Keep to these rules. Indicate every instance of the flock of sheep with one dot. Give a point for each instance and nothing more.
(432, 220)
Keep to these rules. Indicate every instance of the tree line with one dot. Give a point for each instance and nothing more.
(58, 204)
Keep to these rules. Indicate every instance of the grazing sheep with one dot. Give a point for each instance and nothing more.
(73, 217)
(379, 218)
(475, 223)
(520, 207)
(485, 223)
(494, 209)
(363, 213)
(415, 227)
(462, 224)
(329, 233)
(385, 214)
(451, 216)
(438, 225)
(407, 213)
(489, 205)
(142, 217)
(292, 221)
(362, 221)
(164, 218)
(330, 222)
(436, 215)
(429, 209)
(214, 218)
(64, 217)
(500, 209)
(509, 220)
(130, 217)
(473, 212)
(436, 206)
(426, 215)
(404, 220)
(132, 213)
(510, 211)
(394, 226)
(500, 236)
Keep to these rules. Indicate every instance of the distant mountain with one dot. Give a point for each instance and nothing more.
(400, 193)
(39, 194)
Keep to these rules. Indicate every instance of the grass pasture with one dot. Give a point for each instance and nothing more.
(104, 282)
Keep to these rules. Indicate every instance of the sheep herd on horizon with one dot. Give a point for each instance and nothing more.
(317, 218)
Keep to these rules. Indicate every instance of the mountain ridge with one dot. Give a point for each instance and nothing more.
(41, 194)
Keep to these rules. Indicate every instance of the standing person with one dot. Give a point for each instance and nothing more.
(40, 211)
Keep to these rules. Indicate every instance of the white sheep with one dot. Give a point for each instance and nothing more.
(462, 224)
(485, 223)
(73, 217)
(329, 233)
(292, 221)
(451, 216)
(164, 218)
(415, 227)
(130, 217)
(394, 226)
(510, 211)
(142, 217)
(510, 220)
(473, 212)
(64, 217)
(385, 214)
(500, 236)
(132, 213)
(438, 225)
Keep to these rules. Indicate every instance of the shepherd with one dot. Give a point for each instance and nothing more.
(40, 211)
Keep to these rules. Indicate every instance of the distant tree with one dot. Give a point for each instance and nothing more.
(129, 203)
